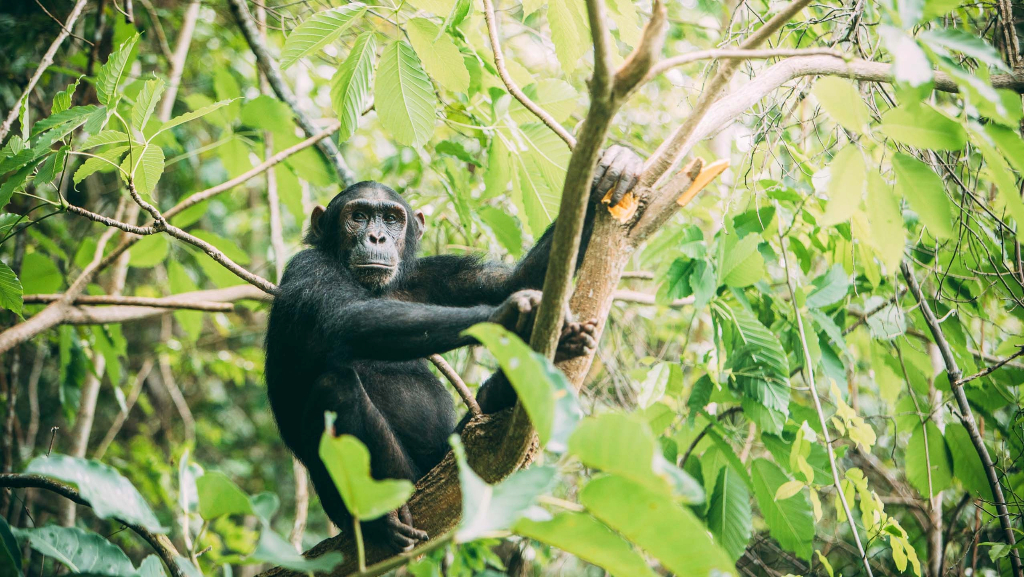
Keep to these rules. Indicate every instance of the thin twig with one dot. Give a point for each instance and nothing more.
(966, 415)
(44, 63)
(809, 367)
(991, 368)
(164, 303)
(457, 382)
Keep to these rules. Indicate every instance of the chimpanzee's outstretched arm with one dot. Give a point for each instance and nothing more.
(467, 280)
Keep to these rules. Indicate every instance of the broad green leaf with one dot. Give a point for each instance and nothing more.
(790, 522)
(489, 509)
(742, 265)
(554, 95)
(267, 112)
(539, 165)
(146, 102)
(227, 246)
(152, 566)
(840, 98)
(845, 185)
(730, 518)
(234, 155)
(147, 168)
(351, 84)
(149, 251)
(1000, 173)
(62, 100)
(759, 365)
(198, 113)
(925, 193)
(967, 464)
(109, 494)
(348, 462)
(440, 57)
(79, 550)
(438, 7)
(276, 550)
(666, 530)
(624, 445)
(549, 400)
(569, 32)
(219, 495)
(623, 13)
(943, 39)
(886, 221)
(10, 290)
(404, 96)
(72, 117)
(504, 228)
(918, 463)
(590, 540)
(923, 127)
(52, 167)
(17, 182)
(40, 275)
(318, 31)
(111, 73)
(910, 63)
(1009, 143)
(103, 161)
(499, 169)
(829, 288)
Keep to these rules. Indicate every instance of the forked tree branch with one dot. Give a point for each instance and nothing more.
(966, 415)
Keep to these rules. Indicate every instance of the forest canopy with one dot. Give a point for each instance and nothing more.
(810, 308)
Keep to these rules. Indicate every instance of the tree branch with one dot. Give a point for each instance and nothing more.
(457, 382)
(44, 63)
(269, 67)
(164, 303)
(160, 543)
(966, 415)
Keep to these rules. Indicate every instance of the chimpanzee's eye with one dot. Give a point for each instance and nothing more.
(390, 218)
(358, 216)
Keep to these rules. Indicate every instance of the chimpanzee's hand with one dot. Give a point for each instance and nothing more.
(576, 340)
(618, 171)
(399, 532)
(518, 311)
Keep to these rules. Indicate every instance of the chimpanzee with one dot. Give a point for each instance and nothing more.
(357, 314)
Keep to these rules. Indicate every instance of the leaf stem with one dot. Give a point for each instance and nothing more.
(360, 550)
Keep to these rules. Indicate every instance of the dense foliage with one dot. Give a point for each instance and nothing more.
(814, 367)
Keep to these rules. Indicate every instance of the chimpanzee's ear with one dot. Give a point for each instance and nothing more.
(314, 219)
(422, 220)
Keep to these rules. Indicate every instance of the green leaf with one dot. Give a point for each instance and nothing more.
(666, 530)
(351, 84)
(52, 166)
(152, 566)
(1009, 143)
(590, 540)
(910, 63)
(554, 95)
(79, 550)
(225, 245)
(62, 100)
(790, 522)
(923, 127)
(845, 185)
(840, 98)
(935, 8)
(109, 494)
(829, 288)
(925, 193)
(276, 550)
(403, 96)
(730, 518)
(623, 13)
(759, 363)
(219, 495)
(269, 113)
(146, 102)
(348, 462)
(489, 509)
(742, 264)
(624, 445)
(10, 552)
(318, 31)
(504, 228)
(40, 275)
(540, 164)
(111, 73)
(103, 161)
(569, 32)
(150, 251)
(147, 168)
(917, 462)
(438, 7)
(543, 390)
(944, 39)
(967, 464)
(198, 113)
(886, 221)
(1000, 173)
(70, 119)
(16, 182)
(439, 55)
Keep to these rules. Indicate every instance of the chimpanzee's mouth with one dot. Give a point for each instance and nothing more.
(375, 265)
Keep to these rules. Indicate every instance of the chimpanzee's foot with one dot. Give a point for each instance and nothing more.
(577, 339)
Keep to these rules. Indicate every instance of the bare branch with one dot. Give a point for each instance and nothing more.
(44, 63)
(457, 382)
(738, 54)
(188, 26)
(93, 315)
(139, 230)
(510, 83)
(966, 415)
(164, 303)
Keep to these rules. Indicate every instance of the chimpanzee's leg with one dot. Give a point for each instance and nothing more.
(343, 394)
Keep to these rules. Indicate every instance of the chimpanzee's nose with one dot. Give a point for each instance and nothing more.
(375, 237)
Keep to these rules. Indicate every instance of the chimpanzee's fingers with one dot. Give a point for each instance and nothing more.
(521, 322)
(612, 174)
(401, 542)
(626, 184)
(404, 515)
